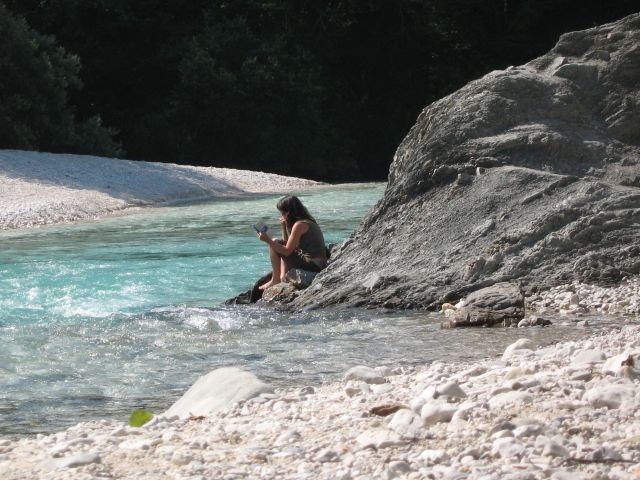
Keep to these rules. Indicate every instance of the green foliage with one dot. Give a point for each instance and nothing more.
(325, 90)
(35, 77)
(140, 417)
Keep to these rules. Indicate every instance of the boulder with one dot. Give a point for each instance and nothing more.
(501, 303)
(281, 293)
(611, 396)
(216, 390)
(363, 373)
(528, 175)
(300, 278)
(517, 347)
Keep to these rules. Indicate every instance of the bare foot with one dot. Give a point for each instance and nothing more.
(264, 286)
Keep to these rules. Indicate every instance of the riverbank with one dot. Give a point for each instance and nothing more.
(568, 411)
(44, 188)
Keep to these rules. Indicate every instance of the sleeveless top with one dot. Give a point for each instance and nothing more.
(311, 246)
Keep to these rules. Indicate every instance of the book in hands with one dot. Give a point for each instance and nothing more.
(260, 227)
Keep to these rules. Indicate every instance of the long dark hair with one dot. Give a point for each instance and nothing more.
(295, 210)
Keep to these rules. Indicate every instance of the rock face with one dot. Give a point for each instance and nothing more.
(531, 174)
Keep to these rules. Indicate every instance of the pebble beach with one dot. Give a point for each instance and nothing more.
(566, 411)
(39, 189)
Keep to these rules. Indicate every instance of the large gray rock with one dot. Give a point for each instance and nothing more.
(216, 390)
(530, 174)
(502, 303)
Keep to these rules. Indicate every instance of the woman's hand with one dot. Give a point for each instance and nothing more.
(283, 220)
(264, 237)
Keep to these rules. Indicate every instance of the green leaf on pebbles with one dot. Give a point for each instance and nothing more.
(140, 417)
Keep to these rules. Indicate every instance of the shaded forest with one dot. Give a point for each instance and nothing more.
(324, 90)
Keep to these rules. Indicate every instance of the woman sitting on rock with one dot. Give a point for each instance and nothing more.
(302, 245)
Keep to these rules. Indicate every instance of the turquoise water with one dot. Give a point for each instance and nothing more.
(100, 318)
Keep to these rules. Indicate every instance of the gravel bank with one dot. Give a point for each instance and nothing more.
(623, 299)
(569, 411)
(44, 188)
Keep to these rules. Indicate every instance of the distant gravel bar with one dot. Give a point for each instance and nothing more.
(45, 188)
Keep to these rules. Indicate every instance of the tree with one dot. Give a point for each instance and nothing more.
(35, 77)
(250, 95)
(320, 89)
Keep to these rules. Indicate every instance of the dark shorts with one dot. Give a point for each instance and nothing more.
(295, 260)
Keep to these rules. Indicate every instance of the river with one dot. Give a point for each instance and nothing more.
(100, 318)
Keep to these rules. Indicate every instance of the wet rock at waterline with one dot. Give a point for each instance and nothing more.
(499, 304)
(300, 278)
(525, 175)
(282, 293)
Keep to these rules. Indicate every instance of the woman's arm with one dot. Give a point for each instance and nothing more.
(299, 229)
(283, 225)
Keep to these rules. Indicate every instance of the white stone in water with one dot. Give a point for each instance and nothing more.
(610, 396)
(119, 432)
(289, 436)
(433, 457)
(398, 468)
(216, 390)
(429, 393)
(379, 439)
(499, 390)
(519, 346)
(384, 371)
(436, 412)
(406, 423)
(589, 356)
(583, 374)
(306, 390)
(626, 358)
(502, 434)
(465, 408)
(138, 444)
(171, 436)
(506, 448)
(451, 389)
(381, 389)
(280, 405)
(566, 475)
(78, 460)
(417, 403)
(258, 400)
(364, 374)
(515, 372)
(530, 430)
(327, 455)
(554, 449)
(510, 398)
(628, 372)
(352, 389)
(181, 458)
(605, 453)
(473, 371)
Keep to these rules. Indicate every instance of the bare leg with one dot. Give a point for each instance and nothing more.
(283, 269)
(275, 268)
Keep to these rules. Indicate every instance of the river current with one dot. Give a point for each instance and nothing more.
(100, 318)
